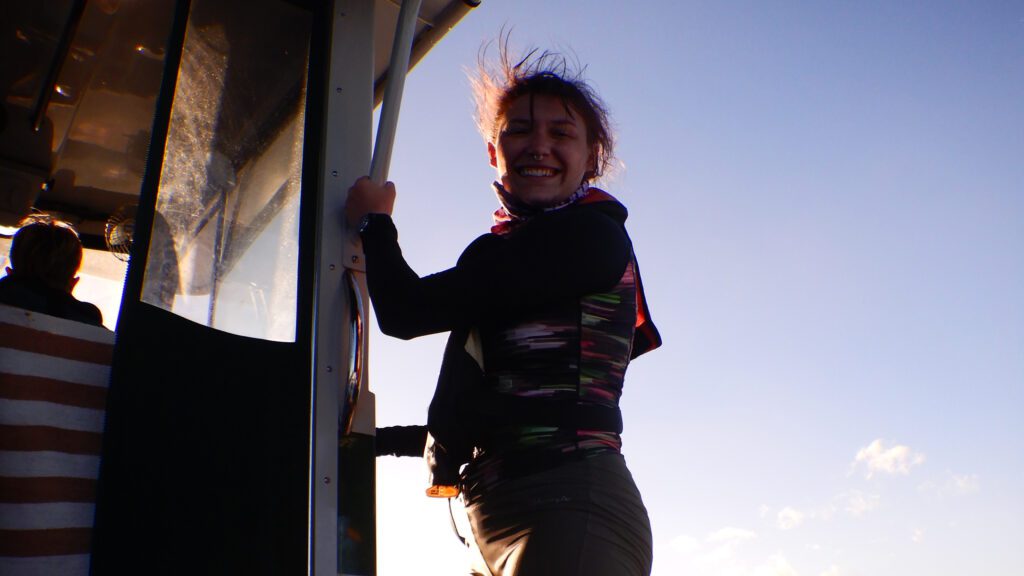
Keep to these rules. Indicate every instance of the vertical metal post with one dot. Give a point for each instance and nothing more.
(397, 70)
(346, 154)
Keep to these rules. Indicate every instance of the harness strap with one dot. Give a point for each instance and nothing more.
(566, 414)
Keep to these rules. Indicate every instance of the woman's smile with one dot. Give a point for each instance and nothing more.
(536, 172)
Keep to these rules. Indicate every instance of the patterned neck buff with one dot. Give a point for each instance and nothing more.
(514, 212)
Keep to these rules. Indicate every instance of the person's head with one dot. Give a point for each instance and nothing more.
(547, 131)
(47, 251)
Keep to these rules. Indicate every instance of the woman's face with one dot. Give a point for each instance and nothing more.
(542, 153)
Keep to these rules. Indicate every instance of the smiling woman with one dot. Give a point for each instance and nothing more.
(542, 154)
(547, 132)
(827, 203)
(545, 313)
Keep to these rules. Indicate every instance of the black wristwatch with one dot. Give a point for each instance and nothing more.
(370, 217)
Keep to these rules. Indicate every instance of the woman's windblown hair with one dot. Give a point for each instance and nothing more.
(539, 72)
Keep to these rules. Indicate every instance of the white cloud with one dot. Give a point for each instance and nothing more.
(731, 534)
(918, 536)
(954, 485)
(685, 544)
(725, 552)
(790, 518)
(898, 459)
(724, 543)
(833, 570)
(827, 511)
(775, 565)
(857, 503)
(966, 483)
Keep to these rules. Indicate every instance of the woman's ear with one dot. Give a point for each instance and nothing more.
(493, 153)
(592, 164)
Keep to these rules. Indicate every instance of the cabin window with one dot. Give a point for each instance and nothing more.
(224, 246)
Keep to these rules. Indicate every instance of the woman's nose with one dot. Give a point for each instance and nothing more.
(539, 143)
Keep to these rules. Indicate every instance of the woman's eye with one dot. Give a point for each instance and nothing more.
(517, 128)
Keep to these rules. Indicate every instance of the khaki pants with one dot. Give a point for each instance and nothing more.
(583, 518)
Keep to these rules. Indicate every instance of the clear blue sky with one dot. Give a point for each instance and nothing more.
(827, 203)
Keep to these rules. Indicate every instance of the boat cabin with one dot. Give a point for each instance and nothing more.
(222, 421)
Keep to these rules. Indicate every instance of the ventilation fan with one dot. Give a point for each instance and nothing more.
(119, 230)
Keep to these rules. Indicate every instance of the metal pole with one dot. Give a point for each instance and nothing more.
(399, 67)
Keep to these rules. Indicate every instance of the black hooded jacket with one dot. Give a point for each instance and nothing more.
(548, 262)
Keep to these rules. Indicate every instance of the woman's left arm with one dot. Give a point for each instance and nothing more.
(562, 254)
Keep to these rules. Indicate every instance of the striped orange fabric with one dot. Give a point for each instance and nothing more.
(22, 543)
(53, 387)
(20, 387)
(53, 343)
(49, 439)
(58, 489)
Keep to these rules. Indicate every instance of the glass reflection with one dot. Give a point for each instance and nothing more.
(224, 248)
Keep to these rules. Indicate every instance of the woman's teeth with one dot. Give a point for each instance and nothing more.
(536, 171)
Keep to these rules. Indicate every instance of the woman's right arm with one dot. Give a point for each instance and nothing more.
(559, 256)
(405, 304)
